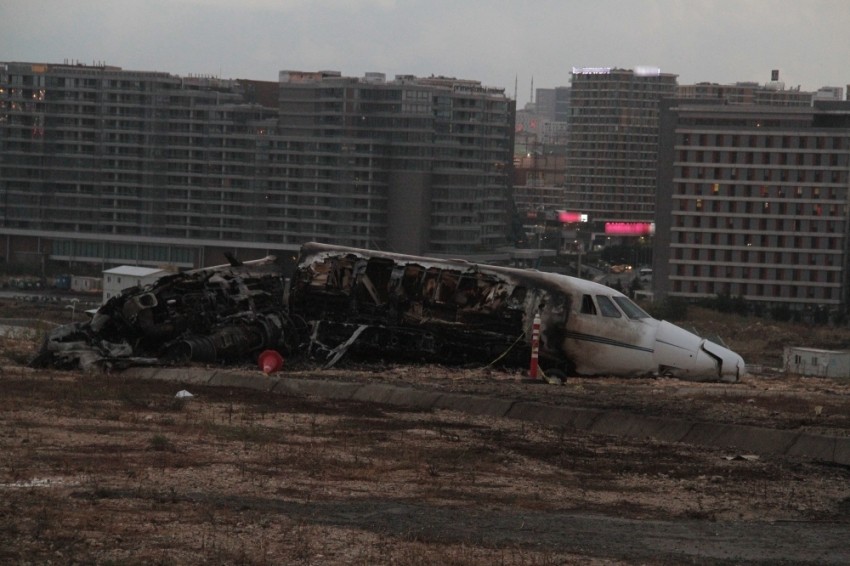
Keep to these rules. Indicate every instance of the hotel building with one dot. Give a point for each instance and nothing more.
(753, 202)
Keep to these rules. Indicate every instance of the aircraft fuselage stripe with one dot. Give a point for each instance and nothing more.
(606, 341)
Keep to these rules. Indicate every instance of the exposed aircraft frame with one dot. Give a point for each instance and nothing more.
(220, 314)
(375, 304)
(455, 311)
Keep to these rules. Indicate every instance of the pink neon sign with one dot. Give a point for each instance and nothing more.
(570, 217)
(629, 228)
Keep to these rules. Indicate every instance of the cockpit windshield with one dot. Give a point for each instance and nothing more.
(632, 310)
(607, 307)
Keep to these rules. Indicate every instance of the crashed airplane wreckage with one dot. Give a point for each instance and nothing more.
(455, 311)
(215, 315)
(374, 304)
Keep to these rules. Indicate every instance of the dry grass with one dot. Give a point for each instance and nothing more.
(112, 470)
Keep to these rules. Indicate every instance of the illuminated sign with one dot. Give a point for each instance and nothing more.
(570, 217)
(647, 71)
(591, 70)
(629, 228)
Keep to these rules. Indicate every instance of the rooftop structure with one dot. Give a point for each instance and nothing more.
(746, 93)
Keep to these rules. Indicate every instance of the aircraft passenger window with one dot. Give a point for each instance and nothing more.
(587, 306)
(631, 309)
(607, 307)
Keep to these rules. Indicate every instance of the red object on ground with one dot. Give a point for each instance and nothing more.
(270, 361)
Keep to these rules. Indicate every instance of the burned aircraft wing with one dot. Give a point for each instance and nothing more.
(452, 311)
(216, 314)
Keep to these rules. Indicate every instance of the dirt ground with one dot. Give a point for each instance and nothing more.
(116, 470)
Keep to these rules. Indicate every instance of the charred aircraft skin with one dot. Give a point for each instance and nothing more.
(388, 306)
(213, 315)
(452, 311)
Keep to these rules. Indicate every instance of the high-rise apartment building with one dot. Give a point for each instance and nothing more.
(445, 145)
(552, 104)
(544, 103)
(106, 165)
(613, 142)
(753, 202)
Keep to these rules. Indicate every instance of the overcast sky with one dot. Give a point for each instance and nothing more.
(497, 42)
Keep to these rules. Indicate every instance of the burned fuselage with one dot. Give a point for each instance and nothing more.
(415, 308)
(385, 305)
(220, 314)
(453, 311)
